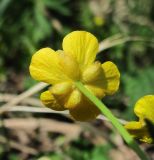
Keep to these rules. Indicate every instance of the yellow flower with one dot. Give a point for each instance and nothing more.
(144, 109)
(74, 63)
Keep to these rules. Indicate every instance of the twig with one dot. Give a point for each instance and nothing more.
(48, 110)
(23, 96)
(119, 39)
(29, 101)
(141, 20)
(122, 121)
(34, 110)
(69, 129)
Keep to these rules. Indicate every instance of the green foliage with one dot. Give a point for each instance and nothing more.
(97, 153)
(74, 153)
(29, 25)
(137, 85)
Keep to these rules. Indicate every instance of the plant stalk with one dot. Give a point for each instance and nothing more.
(104, 110)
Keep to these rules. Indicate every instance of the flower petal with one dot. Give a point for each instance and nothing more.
(111, 78)
(139, 130)
(82, 45)
(98, 91)
(92, 73)
(144, 108)
(133, 125)
(84, 111)
(49, 101)
(94, 79)
(61, 92)
(74, 99)
(66, 94)
(45, 67)
(70, 66)
(101, 79)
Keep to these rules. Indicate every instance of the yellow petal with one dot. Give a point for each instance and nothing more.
(62, 91)
(101, 79)
(69, 65)
(45, 67)
(146, 139)
(61, 88)
(82, 45)
(144, 108)
(49, 101)
(66, 94)
(92, 73)
(139, 131)
(74, 99)
(111, 78)
(85, 111)
(98, 91)
(93, 78)
(133, 125)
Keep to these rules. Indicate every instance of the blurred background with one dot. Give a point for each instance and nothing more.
(125, 30)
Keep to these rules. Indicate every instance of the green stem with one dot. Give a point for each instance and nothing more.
(126, 136)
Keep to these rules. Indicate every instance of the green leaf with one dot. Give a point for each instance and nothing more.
(136, 86)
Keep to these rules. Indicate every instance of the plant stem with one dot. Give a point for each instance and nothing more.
(104, 110)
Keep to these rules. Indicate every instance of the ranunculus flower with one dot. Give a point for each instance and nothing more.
(144, 109)
(74, 63)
